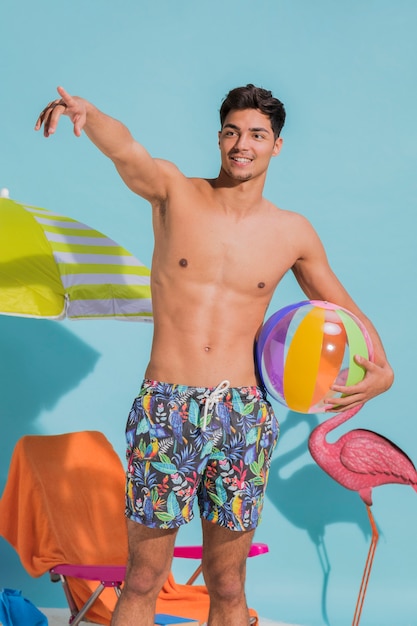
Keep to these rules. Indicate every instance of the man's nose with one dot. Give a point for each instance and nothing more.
(242, 142)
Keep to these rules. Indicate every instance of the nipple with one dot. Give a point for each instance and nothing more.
(261, 285)
(183, 262)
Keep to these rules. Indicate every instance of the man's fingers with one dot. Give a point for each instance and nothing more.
(77, 126)
(65, 96)
(50, 115)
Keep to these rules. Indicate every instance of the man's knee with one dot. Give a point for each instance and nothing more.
(225, 583)
(150, 557)
(145, 579)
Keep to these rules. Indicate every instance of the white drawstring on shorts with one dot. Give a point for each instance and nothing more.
(215, 397)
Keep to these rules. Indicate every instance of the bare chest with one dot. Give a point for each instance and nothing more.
(245, 255)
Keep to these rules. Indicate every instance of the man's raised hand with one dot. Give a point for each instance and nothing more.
(72, 106)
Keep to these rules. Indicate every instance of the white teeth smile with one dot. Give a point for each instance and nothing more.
(241, 160)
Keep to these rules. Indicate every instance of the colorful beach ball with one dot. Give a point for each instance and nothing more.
(305, 348)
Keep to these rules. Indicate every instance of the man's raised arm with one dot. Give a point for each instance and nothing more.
(142, 174)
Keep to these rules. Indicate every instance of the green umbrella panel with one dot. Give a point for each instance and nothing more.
(53, 267)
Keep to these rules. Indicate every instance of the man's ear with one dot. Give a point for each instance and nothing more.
(277, 146)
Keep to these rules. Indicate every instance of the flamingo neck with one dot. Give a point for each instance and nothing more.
(322, 430)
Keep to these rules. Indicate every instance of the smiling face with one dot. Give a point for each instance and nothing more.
(247, 144)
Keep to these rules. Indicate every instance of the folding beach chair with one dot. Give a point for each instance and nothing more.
(63, 511)
(107, 576)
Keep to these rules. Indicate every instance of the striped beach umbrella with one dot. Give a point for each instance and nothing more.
(54, 267)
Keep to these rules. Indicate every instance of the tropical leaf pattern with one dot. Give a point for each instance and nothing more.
(172, 458)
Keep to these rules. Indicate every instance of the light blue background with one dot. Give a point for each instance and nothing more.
(346, 72)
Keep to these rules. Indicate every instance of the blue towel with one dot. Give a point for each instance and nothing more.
(15, 610)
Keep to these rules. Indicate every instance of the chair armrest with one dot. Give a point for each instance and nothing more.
(196, 552)
(109, 575)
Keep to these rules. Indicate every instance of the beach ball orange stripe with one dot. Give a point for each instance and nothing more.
(313, 359)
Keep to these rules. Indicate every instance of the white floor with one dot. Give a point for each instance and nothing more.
(60, 617)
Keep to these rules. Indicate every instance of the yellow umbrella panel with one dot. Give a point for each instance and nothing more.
(54, 267)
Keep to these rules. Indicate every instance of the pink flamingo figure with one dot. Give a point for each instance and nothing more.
(361, 460)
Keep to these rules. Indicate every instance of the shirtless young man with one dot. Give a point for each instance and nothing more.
(220, 251)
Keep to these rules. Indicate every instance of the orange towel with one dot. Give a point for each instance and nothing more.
(64, 503)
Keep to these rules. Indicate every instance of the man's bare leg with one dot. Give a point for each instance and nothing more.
(149, 563)
(224, 568)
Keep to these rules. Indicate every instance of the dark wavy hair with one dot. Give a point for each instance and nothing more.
(251, 97)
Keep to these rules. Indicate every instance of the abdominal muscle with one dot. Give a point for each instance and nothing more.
(206, 337)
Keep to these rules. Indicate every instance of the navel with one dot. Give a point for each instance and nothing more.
(261, 285)
(183, 262)
(207, 348)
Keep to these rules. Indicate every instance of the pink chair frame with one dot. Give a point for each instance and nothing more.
(114, 575)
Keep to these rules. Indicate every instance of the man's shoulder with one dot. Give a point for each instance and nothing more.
(168, 167)
(286, 215)
(171, 170)
(294, 226)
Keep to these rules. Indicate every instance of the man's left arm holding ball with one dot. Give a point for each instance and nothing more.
(319, 282)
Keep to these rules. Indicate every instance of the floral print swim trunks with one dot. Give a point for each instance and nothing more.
(213, 443)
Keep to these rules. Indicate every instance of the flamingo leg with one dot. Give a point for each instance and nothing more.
(367, 570)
